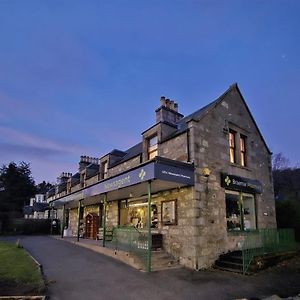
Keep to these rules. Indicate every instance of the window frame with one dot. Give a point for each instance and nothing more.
(152, 149)
(243, 150)
(241, 210)
(232, 146)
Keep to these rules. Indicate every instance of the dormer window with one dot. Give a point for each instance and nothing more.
(104, 169)
(152, 147)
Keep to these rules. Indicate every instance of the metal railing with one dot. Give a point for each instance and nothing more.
(266, 241)
(130, 239)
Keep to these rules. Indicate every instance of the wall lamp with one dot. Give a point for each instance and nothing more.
(206, 172)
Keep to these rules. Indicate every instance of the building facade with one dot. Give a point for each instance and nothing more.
(37, 208)
(207, 175)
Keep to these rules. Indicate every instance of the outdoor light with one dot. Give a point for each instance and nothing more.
(206, 172)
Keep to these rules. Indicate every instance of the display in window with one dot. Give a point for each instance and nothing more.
(135, 214)
(240, 211)
(233, 214)
(168, 212)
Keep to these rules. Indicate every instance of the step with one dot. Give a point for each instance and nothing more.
(234, 259)
(227, 264)
(229, 270)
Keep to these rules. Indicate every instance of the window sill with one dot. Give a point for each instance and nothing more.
(240, 167)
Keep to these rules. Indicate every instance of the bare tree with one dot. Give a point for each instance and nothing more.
(280, 162)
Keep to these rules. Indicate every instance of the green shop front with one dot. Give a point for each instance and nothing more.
(135, 211)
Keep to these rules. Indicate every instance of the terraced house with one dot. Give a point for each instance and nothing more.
(194, 185)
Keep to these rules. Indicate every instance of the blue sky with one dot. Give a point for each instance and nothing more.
(84, 77)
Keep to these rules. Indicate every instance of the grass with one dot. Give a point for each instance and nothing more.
(18, 272)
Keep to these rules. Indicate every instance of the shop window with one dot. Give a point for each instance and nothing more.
(232, 146)
(104, 169)
(240, 211)
(135, 214)
(152, 147)
(243, 150)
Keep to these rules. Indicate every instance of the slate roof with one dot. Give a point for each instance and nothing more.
(92, 170)
(28, 210)
(40, 206)
(130, 153)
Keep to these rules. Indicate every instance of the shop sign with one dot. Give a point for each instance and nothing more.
(129, 178)
(174, 174)
(242, 184)
(145, 173)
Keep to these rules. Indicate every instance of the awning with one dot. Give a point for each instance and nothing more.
(164, 174)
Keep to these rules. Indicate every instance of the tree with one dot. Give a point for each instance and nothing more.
(280, 162)
(44, 187)
(18, 186)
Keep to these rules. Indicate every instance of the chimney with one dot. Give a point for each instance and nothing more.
(168, 111)
(64, 176)
(87, 160)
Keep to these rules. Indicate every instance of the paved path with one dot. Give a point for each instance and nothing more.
(76, 273)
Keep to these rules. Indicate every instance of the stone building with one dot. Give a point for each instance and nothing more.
(204, 180)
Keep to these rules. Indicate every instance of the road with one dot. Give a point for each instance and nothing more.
(76, 273)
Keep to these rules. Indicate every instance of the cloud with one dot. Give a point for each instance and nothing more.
(17, 141)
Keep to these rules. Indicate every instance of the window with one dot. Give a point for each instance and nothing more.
(237, 151)
(232, 146)
(152, 147)
(104, 169)
(240, 211)
(243, 150)
(135, 214)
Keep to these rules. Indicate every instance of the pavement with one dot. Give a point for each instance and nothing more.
(73, 272)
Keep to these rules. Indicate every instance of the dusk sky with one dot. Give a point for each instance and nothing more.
(85, 77)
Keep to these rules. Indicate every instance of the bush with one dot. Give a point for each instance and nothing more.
(288, 215)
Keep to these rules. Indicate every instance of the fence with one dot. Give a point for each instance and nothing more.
(135, 242)
(266, 241)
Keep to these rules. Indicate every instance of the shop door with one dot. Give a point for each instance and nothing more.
(91, 226)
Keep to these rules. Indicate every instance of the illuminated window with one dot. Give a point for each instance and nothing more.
(240, 211)
(243, 150)
(152, 147)
(232, 146)
(104, 169)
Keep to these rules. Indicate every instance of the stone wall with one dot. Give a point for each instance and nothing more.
(179, 239)
(131, 163)
(91, 180)
(112, 214)
(175, 148)
(210, 148)
(73, 221)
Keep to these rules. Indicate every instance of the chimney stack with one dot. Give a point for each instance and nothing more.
(87, 160)
(168, 111)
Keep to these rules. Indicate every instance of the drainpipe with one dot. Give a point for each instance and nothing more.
(63, 221)
(188, 145)
(149, 228)
(78, 219)
(51, 219)
(104, 219)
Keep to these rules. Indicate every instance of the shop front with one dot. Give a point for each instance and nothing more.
(240, 198)
(144, 198)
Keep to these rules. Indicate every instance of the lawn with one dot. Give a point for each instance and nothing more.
(19, 274)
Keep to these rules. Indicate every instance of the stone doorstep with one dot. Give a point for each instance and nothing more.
(120, 255)
(22, 297)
